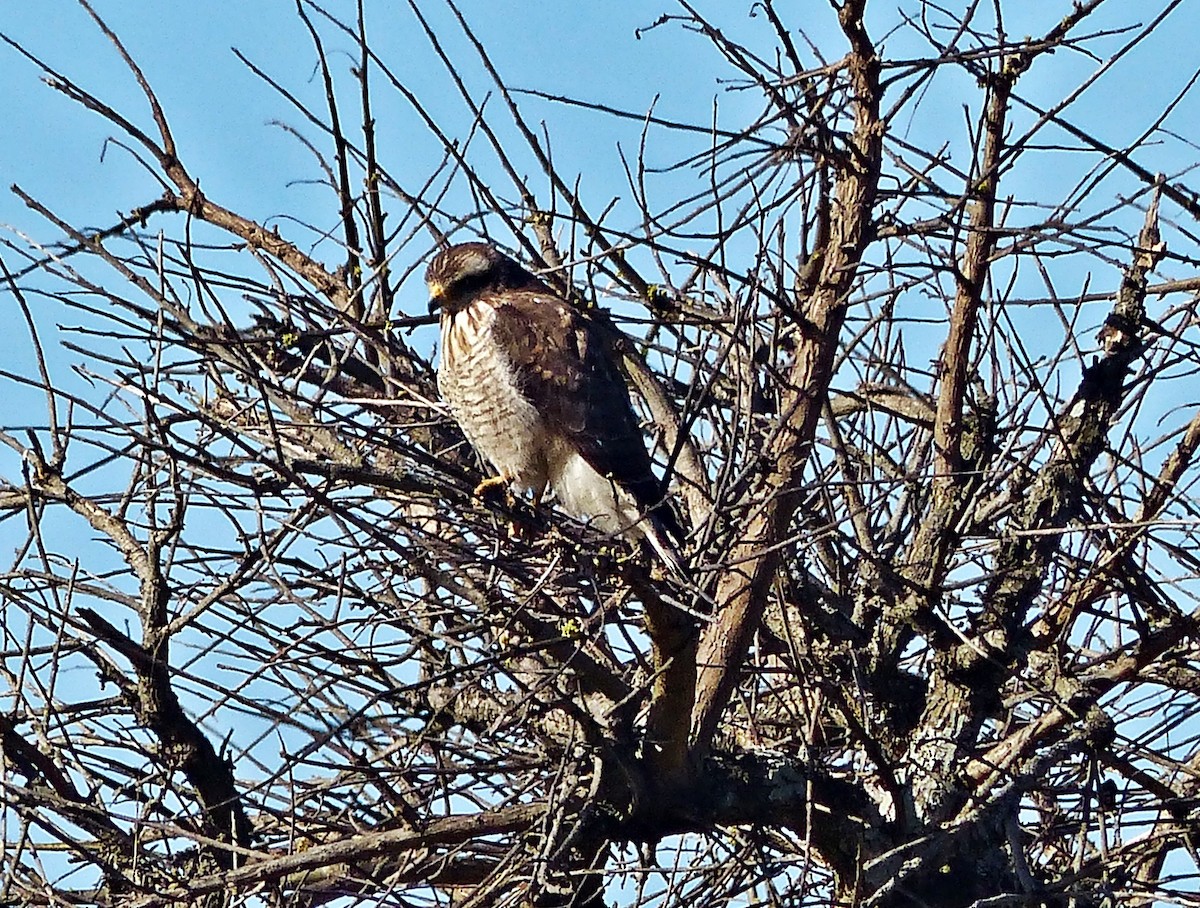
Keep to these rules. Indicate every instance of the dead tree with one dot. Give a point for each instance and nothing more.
(934, 432)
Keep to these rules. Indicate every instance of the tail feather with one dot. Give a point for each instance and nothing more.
(658, 536)
(636, 511)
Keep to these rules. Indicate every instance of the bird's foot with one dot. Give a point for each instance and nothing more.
(491, 484)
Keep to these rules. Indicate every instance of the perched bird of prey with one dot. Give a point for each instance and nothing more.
(529, 380)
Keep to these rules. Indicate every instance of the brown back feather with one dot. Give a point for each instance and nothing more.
(566, 372)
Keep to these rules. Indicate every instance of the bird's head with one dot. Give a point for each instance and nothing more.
(460, 273)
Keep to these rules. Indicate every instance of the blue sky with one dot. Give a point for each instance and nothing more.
(221, 113)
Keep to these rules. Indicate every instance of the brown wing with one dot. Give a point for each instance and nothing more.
(566, 372)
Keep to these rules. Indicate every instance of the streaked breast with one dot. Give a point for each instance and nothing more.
(477, 380)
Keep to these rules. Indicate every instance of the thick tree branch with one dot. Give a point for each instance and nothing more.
(742, 591)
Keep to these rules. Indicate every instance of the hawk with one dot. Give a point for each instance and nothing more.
(529, 380)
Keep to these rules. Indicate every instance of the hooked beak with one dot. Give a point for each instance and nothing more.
(437, 294)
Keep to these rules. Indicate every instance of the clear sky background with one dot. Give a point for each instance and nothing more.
(221, 113)
(223, 116)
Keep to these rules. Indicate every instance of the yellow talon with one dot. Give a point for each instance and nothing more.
(487, 485)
